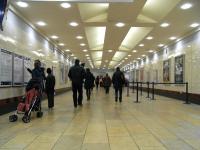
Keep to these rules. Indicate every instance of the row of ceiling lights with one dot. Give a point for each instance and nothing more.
(185, 6)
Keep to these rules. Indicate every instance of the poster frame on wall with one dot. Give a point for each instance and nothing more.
(14, 84)
(7, 83)
(26, 67)
(179, 69)
(166, 70)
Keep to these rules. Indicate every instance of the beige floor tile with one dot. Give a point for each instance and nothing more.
(95, 146)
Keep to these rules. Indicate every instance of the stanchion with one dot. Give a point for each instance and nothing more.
(141, 88)
(147, 90)
(186, 94)
(152, 98)
(133, 87)
(137, 92)
(128, 89)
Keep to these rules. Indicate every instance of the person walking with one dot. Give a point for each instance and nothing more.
(97, 82)
(107, 83)
(49, 88)
(89, 82)
(76, 75)
(118, 80)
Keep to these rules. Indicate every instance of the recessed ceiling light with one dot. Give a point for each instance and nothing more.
(126, 58)
(41, 23)
(120, 24)
(134, 51)
(86, 55)
(73, 24)
(72, 54)
(67, 50)
(129, 55)
(143, 55)
(186, 6)
(54, 37)
(65, 5)
(75, 57)
(79, 37)
(151, 51)
(194, 25)
(138, 58)
(22, 4)
(85, 50)
(172, 38)
(149, 38)
(141, 45)
(82, 44)
(164, 25)
(61, 44)
(110, 51)
(160, 45)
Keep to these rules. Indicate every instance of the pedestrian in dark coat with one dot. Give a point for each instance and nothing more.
(107, 83)
(97, 82)
(89, 82)
(118, 80)
(50, 88)
(76, 75)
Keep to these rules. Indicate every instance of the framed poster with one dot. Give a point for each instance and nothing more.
(179, 69)
(27, 64)
(137, 76)
(66, 73)
(141, 75)
(62, 73)
(166, 70)
(18, 70)
(155, 75)
(6, 64)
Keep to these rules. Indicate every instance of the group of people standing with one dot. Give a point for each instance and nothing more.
(79, 77)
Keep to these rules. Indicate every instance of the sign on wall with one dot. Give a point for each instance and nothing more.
(166, 70)
(5, 68)
(155, 75)
(62, 73)
(18, 70)
(27, 64)
(141, 74)
(179, 69)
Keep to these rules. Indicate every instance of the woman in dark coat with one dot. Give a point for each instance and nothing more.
(49, 88)
(89, 82)
(107, 83)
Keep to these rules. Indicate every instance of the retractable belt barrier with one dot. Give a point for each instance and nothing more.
(136, 85)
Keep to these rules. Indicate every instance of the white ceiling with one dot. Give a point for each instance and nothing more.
(97, 21)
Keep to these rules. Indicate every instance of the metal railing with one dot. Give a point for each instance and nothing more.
(152, 84)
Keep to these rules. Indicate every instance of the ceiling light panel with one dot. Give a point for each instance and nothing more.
(93, 12)
(97, 55)
(119, 56)
(95, 36)
(113, 63)
(134, 36)
(155, 10)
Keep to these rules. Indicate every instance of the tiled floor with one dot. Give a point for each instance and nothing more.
(102, 124)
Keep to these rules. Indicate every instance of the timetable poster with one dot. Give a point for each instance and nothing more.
(66, 73)
(18, 70)
(27, 64)
(5, 68)
(62, 78)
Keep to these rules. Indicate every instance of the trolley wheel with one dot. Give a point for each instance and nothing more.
(13, 118)
(39, 114)
(26, 118)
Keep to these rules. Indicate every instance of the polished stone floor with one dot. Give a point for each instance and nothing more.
(102, 124)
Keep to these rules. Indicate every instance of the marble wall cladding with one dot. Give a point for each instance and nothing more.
(20, 38)
(190, 47)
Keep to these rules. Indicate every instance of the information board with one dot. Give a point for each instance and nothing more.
(5, 68)
(27, 64)
(18, 70)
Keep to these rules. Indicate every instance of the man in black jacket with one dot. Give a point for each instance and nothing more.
(118, 81)
(76, 75)
(49, 88)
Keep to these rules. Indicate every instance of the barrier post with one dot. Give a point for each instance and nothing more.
(141, 88)
(147, 90)
(153, 91)
(133, 87)
(137, 88)
(186, 94)
(127, 89)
